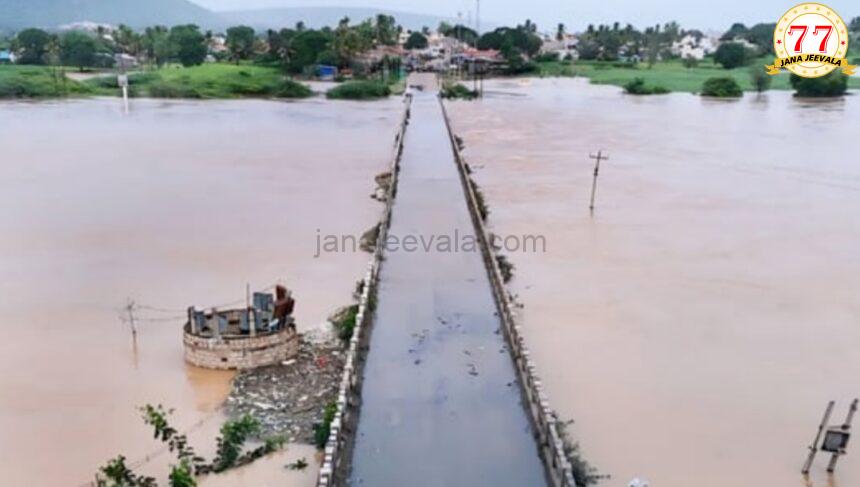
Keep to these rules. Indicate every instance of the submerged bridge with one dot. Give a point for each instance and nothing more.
(432, 396)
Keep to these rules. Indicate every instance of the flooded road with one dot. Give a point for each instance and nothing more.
(440, 405)
(696, 327)
(179, 203)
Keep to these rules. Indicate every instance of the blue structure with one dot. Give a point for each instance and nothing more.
(5, 57)
(326, 73)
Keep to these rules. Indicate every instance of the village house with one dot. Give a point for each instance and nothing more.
(564, 48)
(694, 46)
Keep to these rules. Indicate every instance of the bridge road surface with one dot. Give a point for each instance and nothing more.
(440, 401)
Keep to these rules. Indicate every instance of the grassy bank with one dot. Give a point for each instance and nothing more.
(672, 75)
(219, 81)
(38, 82)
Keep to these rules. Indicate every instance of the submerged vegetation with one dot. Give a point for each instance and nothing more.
(637, 86)
(323, 429)
(344, 322)
(234, 434)
(583, 472)
(359, 90)
(833, 84)
(723, 87)
(457, 91)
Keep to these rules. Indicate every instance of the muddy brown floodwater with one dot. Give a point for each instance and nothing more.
(178, 203)
(696, 327)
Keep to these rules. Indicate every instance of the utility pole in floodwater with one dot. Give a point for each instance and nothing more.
(129, 308)
(599, 157)
(835, 438)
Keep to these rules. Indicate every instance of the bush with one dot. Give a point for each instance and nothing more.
(458, 91)
(731, 55)
(292, 89)
(322, 430)
(722, 88)
(359, 90)
(546, 57)
(760, 79)
(833, 84)
(345, 321)
(637, 86)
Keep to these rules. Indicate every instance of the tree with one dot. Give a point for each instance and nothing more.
(831, 85)
(155, 43)
(416, 40)
(240, 42)
(78, 49)
(386, 30)
(761, 35)
(459, 32)
(349, 41)
(521, 38)
(32, 45)
(737, 30)
(731, 55)
(760, 79)
(127, 40)
(307, 48)
(188, 44)
(854, 25)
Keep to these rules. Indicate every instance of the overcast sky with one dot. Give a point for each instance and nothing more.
(575, 13)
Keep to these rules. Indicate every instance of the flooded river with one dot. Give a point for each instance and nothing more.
(697, 325)
(178, 203)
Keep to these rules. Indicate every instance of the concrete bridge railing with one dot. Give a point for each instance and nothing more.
(550, 443)
(338, 449)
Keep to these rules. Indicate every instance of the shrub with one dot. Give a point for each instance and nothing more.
(458, 91)
(731, 55)
(291, 89)
(322, 430)
(359, 90)
(760, 79)
(637, 86)
(724, 87)
(233, 437)
(345, 321)
(833, 84)
(546, 57)
(690, 62)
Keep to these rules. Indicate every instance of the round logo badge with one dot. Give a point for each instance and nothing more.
(810, 40)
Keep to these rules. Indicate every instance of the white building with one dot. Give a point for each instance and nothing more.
(694, 47)
(564, 48)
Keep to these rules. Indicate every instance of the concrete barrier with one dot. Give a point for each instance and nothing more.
(338, 449)
(550, 443)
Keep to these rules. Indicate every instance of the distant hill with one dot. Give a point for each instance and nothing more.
(17, 14)
(50, 14)
(316, 17)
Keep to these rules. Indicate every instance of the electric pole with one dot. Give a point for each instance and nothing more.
(129, 308)
(599, 157)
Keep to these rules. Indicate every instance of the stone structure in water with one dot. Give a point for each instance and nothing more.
(261, 334)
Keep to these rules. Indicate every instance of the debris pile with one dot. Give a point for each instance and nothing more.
(289, 398)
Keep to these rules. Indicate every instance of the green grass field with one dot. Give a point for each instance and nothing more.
(37, 82)
(217, 81)
(669, 74)
(201, 82)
